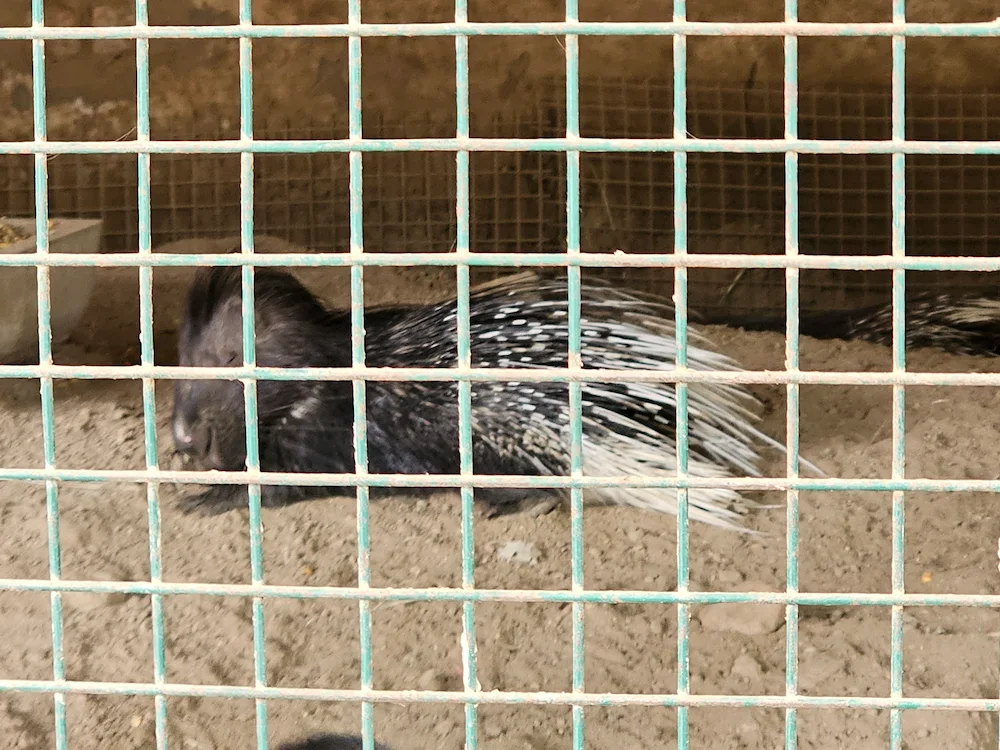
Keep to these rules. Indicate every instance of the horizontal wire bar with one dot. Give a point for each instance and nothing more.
(557, 145)
(554, 596)
(617, 259)
(496, 697)
(499, 375)
(452, 481)
(554, 28)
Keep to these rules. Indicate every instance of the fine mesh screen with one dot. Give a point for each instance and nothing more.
(736, 201)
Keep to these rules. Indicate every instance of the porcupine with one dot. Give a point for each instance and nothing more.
(956, 323)
(519, 428)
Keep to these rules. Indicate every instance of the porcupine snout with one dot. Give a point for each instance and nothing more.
(202, 413)
(192, 437)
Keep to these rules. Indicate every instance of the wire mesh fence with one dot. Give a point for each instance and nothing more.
(735, 204)
(666, 177)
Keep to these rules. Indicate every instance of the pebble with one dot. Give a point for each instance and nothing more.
(746, 667)
(746, 619)
(522, 553)
(656, 627)
(492, 729)
(432, 680)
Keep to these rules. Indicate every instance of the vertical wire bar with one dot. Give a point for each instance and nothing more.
(358, 360)
(792, 364)
(45, 358)
(680, 318)
(898, 365)
(469, 649)
(149, 384)
(575, 361)
(250, 360)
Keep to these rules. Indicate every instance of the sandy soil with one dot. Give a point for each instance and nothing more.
(950, 547)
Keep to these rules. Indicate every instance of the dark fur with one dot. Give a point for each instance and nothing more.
(412, 427)
(329, 742)
(929, 319)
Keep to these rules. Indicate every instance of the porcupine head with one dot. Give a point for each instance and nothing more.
(292, 329)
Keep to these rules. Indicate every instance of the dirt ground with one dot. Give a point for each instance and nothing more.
(950, 547)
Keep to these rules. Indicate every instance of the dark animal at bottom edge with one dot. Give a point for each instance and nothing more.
(329, 742)
(520, 428)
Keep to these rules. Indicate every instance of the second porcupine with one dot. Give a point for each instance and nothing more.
(966, 323)
(518, 428)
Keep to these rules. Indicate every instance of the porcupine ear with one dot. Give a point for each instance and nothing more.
(212, 285)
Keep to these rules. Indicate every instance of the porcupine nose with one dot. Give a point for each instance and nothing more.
(190, 438)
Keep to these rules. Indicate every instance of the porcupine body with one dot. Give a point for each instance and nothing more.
(519, 428)
(955, 323)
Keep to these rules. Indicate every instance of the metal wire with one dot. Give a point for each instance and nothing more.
(736, 202)
(683, 149)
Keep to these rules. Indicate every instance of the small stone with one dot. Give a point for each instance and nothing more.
(746, 619)
(432, 680)
(492, 729)
(136, 721)
(521, 553)
(656, 627)
(746, 668)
